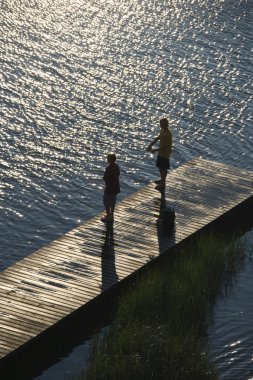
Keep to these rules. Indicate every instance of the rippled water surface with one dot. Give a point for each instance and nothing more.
(231, 335)
(81, 78)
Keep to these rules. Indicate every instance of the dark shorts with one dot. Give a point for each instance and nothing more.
(109, 200)
(162, 163)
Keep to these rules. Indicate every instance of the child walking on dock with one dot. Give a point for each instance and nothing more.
(112, 187)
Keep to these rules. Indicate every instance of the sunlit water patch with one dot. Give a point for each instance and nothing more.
(81, 78)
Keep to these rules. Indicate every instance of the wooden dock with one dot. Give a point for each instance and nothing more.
(52, 294)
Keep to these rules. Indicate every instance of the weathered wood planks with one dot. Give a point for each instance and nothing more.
(40, 291)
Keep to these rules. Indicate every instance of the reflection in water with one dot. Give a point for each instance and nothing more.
(109, 275)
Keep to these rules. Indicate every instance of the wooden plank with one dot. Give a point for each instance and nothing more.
(37, 292)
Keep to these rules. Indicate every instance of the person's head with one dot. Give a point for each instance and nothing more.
(111, 157)
(164, 123)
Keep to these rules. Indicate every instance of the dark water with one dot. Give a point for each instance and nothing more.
(81, 78)
(232, 331)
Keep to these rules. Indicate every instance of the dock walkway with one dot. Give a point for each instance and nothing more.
(49, 286)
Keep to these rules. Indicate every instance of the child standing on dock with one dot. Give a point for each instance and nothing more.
(112, 187)
(164, 151)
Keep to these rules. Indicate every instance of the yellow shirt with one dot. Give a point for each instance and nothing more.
(165, 143)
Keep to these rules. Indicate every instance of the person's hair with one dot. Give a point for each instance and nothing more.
(111, 157)
(164, 122)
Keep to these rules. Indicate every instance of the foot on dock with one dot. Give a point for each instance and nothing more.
(105, 219)
(160, 187)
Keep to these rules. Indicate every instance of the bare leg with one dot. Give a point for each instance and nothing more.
(112, 208)
(107, 207)
(109, 203)
(108, 212)
(163, 173)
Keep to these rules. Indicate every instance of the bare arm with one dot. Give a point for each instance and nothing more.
(149, 148)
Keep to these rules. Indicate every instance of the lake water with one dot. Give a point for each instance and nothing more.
(231, 336)
(81, 78)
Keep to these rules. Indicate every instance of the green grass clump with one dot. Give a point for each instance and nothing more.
(160, 328)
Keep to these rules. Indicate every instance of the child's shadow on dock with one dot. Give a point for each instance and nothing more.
(109, 275)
